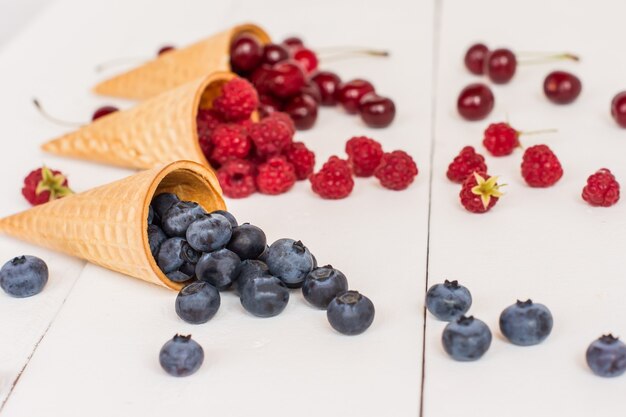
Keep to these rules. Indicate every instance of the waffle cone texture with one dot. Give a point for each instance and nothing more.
(108, 225)
(178, 67)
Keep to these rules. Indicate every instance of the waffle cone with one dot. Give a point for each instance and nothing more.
(157, 131)
(178, 66)
(108, 225)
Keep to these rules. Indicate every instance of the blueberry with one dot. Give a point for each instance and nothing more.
(174, 253)
(290, 261)
(263, 256)
(526, 323)
(177, 218)
(188, 269)
(23, 276)
(231, 219)
(181, 356)
(250, 268)
(209, 233)
(247, 241)
(178, 276)
(150, 215)
(350, 313)
(323, 284)
(219, 268)
(197, 302)
(156, 237)
(448, 301)
(466, 339)
(606, 356)
(264, 296)
(162, 202)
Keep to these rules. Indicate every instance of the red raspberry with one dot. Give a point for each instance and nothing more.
(480, 192)
(229, 141)
(541, 167)
(237, 178)
(364, 155)
(465, 163)
(302, 159)
(334, 180)
(206, 121)
(501, 139)
(271, 135)
(396, 171)
(602, 189)
(285, 118)
(276, 176)
(237, 101)
(43, 185)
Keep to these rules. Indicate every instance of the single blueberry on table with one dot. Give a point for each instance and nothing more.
(247, 241)
(219, 268)
(197, 302)
(606, 356)
(181, 356)
(178, 276)
(250, 268)
(209, 233)
(162, 202)
(323, 284)
(466, 339)
(448, 301)
(290, 261)
(264, 296)
(23, 276)
(526, 323)
(156, 237)
(231, 219)
(174, 253)
(350, 313)
(177, 218)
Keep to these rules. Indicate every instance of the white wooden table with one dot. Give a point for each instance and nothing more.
(88, 344)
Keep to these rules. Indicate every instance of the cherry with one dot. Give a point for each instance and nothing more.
(268, 105)
(377, 111)
(349, 94)
(618, 108)
(273, 53)
(165, 49)
(286, 78)
(246, 53)
(561, 87)
(500, 65)
(303, 111)
(475, 102)
(260, 78)
(293, 43)
(103, 111)
(313, 90)
(328, 83)
(475, 58)
(307, 59)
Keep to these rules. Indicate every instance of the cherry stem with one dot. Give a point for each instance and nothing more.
(538, 132)
(53, 119)
(119, 61)
(335, 53)
(549, 58)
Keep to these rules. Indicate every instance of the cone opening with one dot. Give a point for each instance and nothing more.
(251, 29)
(189, 181)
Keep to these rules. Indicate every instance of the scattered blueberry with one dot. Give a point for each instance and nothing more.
(219, 268)
(174, 253)
(231, 219)
(209, 233)
(466, 339)
(162, 202)
(197, 302)
(247, 241)
(323, 284)
(448, 301)
(150, 215)
(264, 296)
(178, 276)
(156, 237)
(181, 356)
(290, 261)
(606, 356)
(23, 276)
(526, 323)
(251, 268)
(350, 313)
(179, 216)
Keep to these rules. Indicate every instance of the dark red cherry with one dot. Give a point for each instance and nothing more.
(268, 105)
(377, 111)
(165, 49)
(328, 84)
(246, 53)
(500, 65)
(561, 87)
(103, 111)
(293, 43)
(286, 78)
(273, 53)
(307, 59)
(475, 102)
(349, 94)
(313, 90)
(618, 109)
(303, 111)
(475, 58)
(260, 78)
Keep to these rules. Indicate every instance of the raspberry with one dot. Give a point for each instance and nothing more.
(206, 121)
(396, 171)
(229, 141)
(276, 176)
(236, 177)
(237, 101)
(541, 167)
(480, 192)
(302, 158)
(271, 135)
(465, 163)
(285, 118)
(43, 185)
(602, 189)
(501, 139)
(364, 155)
(334, 180)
